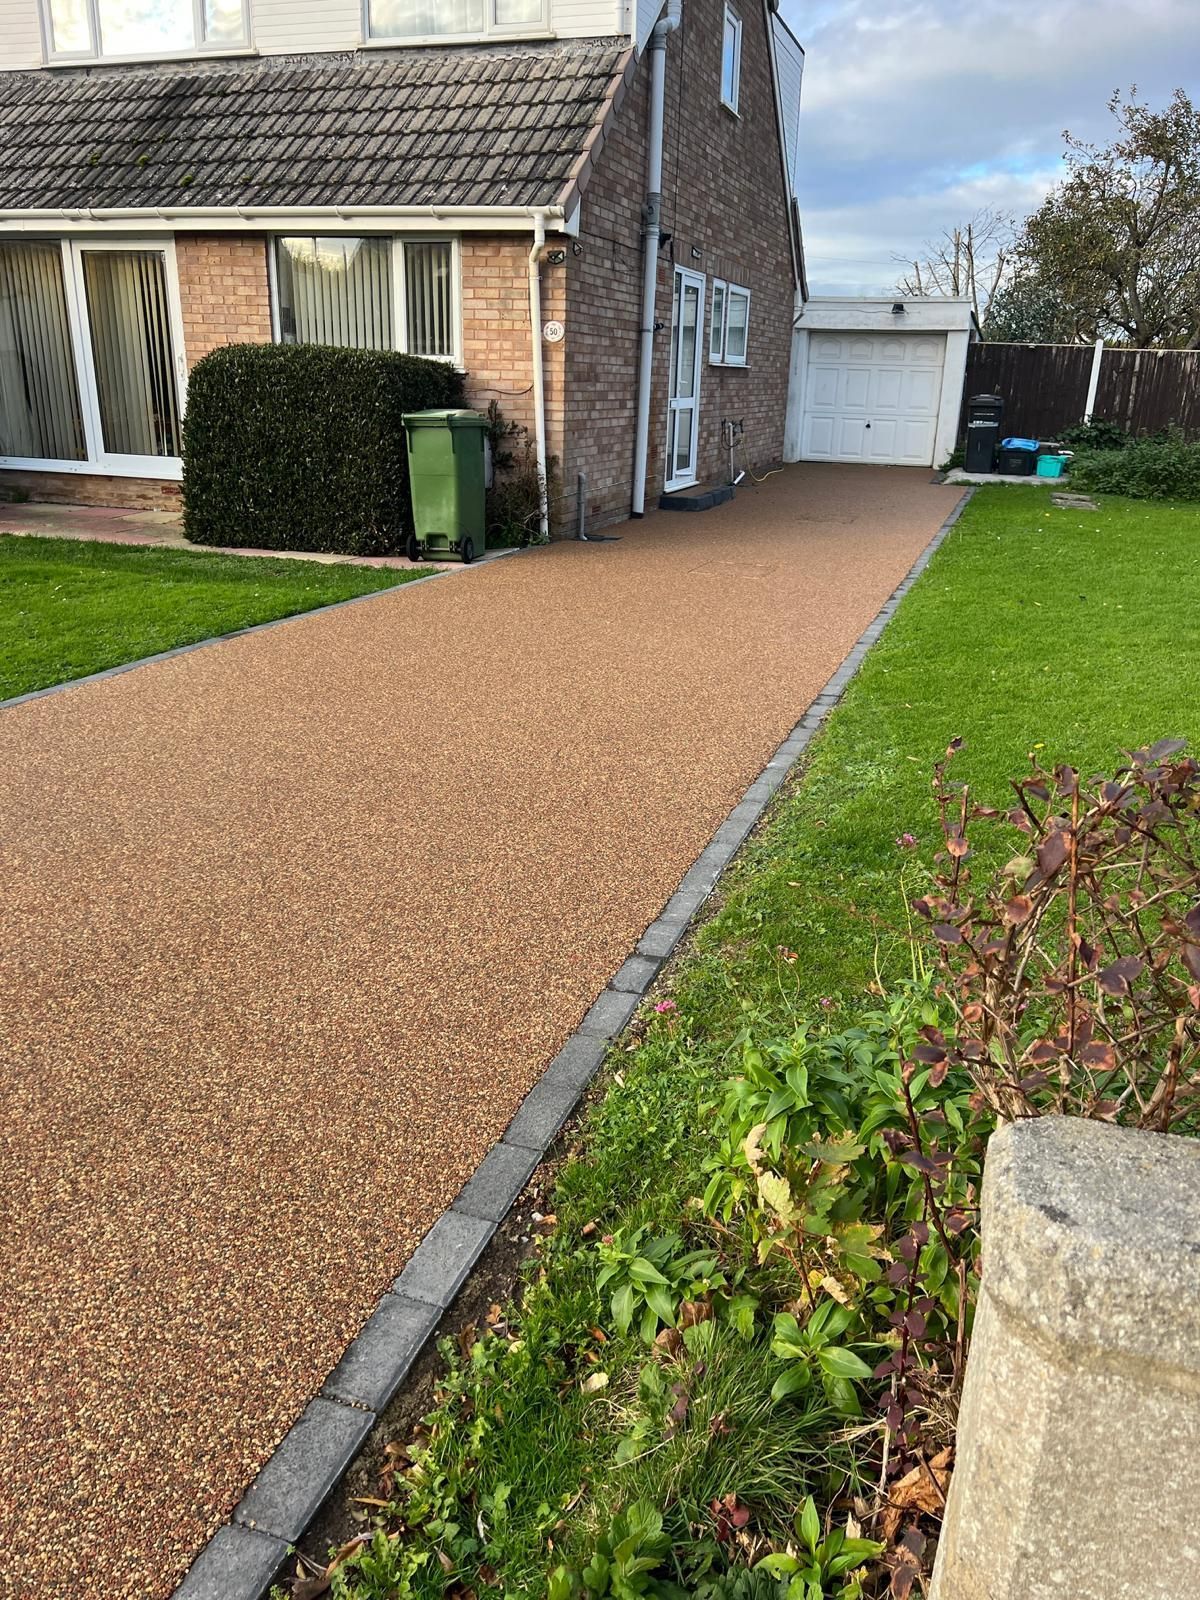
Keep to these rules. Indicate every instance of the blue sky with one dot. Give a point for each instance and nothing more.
(917, 113)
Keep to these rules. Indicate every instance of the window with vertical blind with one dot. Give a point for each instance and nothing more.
(368, 294)
(40, 413)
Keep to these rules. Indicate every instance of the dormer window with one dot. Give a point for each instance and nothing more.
(413, 21)
(90, 30)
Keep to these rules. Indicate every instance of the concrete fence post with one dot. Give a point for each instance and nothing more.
(1079, 1436)
(1093, 381)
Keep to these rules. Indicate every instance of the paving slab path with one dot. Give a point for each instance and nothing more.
(290, 924)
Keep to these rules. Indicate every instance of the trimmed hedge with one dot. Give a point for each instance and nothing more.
(1147, 469)
(301, 447)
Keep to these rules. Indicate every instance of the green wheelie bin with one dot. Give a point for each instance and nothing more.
(446, 475)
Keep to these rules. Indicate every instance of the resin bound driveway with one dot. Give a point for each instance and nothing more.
(291, 923)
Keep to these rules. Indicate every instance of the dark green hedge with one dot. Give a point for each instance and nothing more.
(301, 447)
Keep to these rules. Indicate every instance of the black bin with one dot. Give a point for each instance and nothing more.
(984, 412)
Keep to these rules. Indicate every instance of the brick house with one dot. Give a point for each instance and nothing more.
(586, 204)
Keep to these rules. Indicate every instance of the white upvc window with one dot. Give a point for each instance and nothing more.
(377, 292)
(729, 329)
(422, 21)
(716, 323)
(731, 60)
(93, 376)
(93, 30)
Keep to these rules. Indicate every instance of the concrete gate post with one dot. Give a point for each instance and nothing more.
(1078, 1460)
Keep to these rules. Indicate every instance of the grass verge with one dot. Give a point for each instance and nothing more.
(653, 1410)
(70, 607)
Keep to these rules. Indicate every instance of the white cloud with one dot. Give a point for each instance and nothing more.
(918, 112)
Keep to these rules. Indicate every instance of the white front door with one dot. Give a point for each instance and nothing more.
(873, 397)
(683, 410)
(92, 372)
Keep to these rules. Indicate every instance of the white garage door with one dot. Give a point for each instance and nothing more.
(873, 397)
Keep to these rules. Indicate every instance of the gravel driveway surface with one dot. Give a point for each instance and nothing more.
(291, 923)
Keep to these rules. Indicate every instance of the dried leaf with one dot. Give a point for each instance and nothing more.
(1018, 910)
(594, 1382)
(921, 1490)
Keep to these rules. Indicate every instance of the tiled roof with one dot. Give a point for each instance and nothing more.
(448, 127)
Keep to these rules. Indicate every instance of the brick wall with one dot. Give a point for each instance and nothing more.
(93, 489)
(723, 195)
(223, 291)
(497, 347)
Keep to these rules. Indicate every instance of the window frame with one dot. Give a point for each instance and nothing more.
(491, 30)
(97, 460)
(731, 17)
(732, 290)
(716, 323)
(199, 47)
(729, 292)
(397, 278)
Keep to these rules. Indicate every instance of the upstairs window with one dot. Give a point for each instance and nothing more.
(84, 30)
(453, 19)
(731, 59)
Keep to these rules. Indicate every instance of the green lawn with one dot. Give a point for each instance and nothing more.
(1033, 627)
(1071, 633)
(68, 608)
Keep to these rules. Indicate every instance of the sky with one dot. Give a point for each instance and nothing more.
(918, 113)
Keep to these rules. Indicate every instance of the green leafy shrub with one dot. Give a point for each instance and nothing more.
(514, 502)
(1164, 468)
(301, 447)
(1094, 435)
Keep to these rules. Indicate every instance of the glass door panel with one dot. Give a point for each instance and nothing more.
(687, 326)
(41, 418)
(133, 360)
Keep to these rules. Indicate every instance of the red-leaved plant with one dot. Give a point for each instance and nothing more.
(1075, 972)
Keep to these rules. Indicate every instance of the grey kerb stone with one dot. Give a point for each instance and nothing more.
(636, 974)
(236, 1564)
(289, 1490)
(440, 1263)
(542, 1113)
(609, 1014)
(1079, 1430)
(497, 1182)
(378, 1360)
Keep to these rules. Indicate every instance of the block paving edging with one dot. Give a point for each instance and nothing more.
(247, 1553)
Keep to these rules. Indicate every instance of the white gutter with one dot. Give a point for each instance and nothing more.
(207, 219)
(539, 381)
(651, 235)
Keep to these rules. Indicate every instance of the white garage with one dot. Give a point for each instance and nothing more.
(877, 381)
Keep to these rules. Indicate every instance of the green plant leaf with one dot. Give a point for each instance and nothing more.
(809, 1525)
(840, 1362)
(622, 1308)
(794, 1381)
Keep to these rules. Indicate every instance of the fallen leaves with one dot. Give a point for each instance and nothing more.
(921, 1490)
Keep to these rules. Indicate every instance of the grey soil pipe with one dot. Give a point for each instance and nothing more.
(651, 235)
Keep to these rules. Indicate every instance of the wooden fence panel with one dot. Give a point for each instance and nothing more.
(1044, 386)
(1145, 390)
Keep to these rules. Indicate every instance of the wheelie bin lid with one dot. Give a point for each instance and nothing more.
(444, 419)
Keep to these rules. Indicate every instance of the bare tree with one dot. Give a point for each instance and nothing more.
(967, 263)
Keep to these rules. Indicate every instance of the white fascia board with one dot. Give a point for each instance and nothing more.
(874, 314)
(272, 219)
